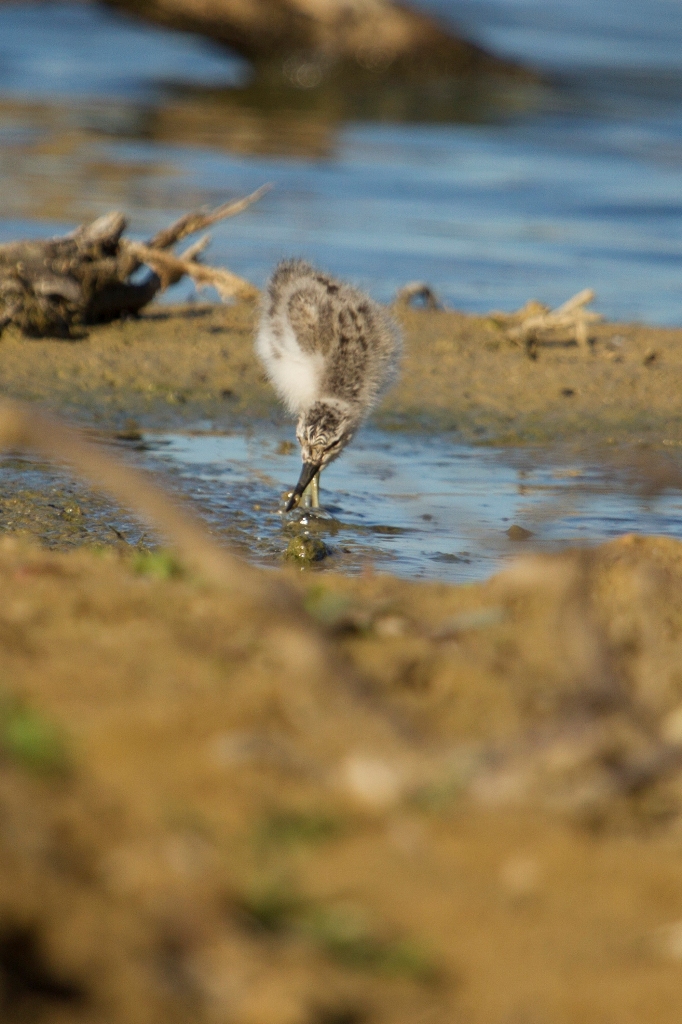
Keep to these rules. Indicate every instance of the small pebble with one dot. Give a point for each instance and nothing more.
(671, 727)
(131, 432)
(390, 625)
(516, 532)
(407, 835)
(667, 940)
(371, 781)
(18, 611)
(520, 877)
(72, 512)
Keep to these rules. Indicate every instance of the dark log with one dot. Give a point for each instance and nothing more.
(54, 287)
(308, 40)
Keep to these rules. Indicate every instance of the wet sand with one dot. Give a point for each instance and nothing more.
(460, 374)
(353, 799)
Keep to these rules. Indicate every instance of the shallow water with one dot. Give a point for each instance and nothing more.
(491, 197)
(417, 506)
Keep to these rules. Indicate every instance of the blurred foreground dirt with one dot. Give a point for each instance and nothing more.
(373, 801)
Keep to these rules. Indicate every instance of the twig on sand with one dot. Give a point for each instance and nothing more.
(534, 319)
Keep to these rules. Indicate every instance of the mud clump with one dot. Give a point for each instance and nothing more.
(518, 533)
(306, 550)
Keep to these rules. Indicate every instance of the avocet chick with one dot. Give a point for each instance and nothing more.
(330, 352)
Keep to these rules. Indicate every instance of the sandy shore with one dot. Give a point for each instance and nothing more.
(460, 373)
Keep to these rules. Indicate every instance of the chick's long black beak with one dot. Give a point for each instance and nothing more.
(307, 473)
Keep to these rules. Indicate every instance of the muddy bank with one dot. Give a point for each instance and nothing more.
(380, 801)
(59, 512)
(193, 367)
(196, 364)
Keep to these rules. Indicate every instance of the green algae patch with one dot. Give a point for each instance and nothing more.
(283, 829)
(32, 741)
(162, 565)
(327, 606)
(346, 936)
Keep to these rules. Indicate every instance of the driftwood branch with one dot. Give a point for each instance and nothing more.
(406, 295)
(56, 286)
(534, 320)
(306, 40)
(190, 223)
(170, 269)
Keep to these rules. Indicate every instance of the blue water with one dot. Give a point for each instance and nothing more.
(578, 184)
